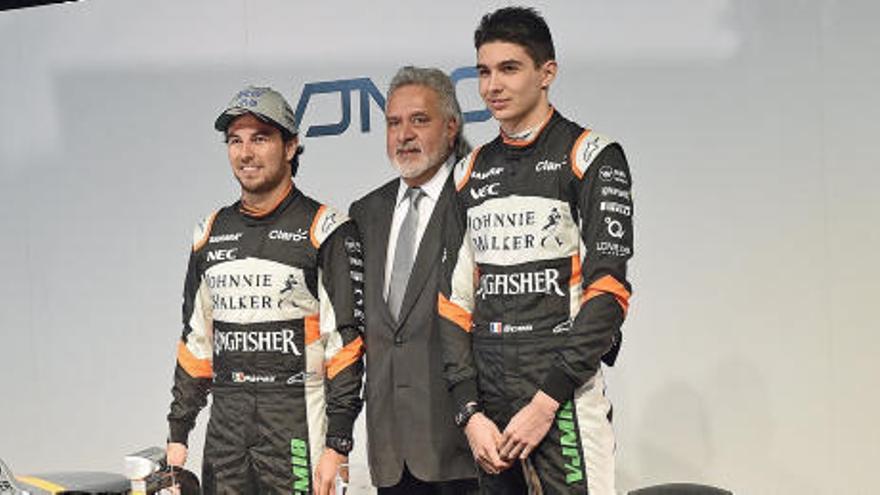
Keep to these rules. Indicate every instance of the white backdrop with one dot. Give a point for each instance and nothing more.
(750, 359)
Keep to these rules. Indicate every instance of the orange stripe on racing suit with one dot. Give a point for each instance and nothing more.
(197, 368)
(470, 168)
(454, 313)
(318, 215)
(608, 285)
(572, 159)
(575, 271)
(204, 240)
(313, 328)
(349, 354)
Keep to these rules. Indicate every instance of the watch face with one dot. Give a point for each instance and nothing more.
(462, 416)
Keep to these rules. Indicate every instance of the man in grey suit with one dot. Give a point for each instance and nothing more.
(413, 445)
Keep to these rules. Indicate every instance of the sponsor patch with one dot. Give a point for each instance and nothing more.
(563, 327)
(299, 461)
(550, 230)
(615, 228)
(329, 222)
(492, 172)
(222, 254)
(613, 191)
(225, 238)
(242, 377)
(514, 284)
(510, 328)
(238, 303)
(613, 249)
(249, 97)
(608, 173)
(587, 150)
(520, 229)
(549, 166)
(352, 246)
(590, 147)
(612, 207)
(281, 235)
(486, 191)
(239, 280)
(498, 327)
(281, 341)
(300, 377)
(325, 223)
(568, 443)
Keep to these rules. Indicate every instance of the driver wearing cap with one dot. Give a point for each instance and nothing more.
(272, 320)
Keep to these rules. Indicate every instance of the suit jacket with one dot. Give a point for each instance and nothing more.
(409, 410)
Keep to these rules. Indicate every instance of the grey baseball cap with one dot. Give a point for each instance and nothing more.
(265, 103)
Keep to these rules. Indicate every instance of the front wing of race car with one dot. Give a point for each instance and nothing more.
(146, 473)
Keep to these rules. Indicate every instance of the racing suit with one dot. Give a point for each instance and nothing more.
(535, 292)
(272, 325)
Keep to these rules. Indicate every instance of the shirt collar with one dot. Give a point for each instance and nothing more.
(434, 186)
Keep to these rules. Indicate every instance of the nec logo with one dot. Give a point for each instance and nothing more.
(222, 254)
(367, 91)
(485, 191)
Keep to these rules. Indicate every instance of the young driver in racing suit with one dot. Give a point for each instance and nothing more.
(535, 290)
(272, 321)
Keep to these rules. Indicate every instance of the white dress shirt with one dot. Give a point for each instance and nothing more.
(432, 190)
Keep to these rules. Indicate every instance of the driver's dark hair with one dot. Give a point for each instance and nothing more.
(522, 26)
(287, 137)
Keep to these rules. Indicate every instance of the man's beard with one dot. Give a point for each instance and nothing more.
(418, 167)
(268, 185)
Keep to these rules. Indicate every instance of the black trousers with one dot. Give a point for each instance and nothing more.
(410, 485)
(257, 444)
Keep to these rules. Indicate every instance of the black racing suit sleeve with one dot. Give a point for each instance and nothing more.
(340, 258)
(604, 202)
(190, 393)
(455, 307)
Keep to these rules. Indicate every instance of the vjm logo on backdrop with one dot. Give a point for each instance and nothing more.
(367, 91)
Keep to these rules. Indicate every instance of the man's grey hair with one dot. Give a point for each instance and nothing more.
(442, 85)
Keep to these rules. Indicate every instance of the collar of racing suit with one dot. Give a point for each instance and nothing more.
(280, 204)
(529, 136)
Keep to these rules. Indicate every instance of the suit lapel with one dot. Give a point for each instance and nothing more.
(376, 266)
(427, 255)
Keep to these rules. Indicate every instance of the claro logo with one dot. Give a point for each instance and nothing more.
(366, 92)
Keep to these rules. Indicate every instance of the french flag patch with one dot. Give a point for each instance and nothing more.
(495, 327)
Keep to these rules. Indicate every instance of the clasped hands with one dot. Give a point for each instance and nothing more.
(495, 451)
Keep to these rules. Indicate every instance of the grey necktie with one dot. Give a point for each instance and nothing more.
(405, 252)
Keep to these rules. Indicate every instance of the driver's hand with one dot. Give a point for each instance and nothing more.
(175, 454)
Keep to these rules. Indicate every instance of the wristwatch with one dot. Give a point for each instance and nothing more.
(464, 414)
(340, 444)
